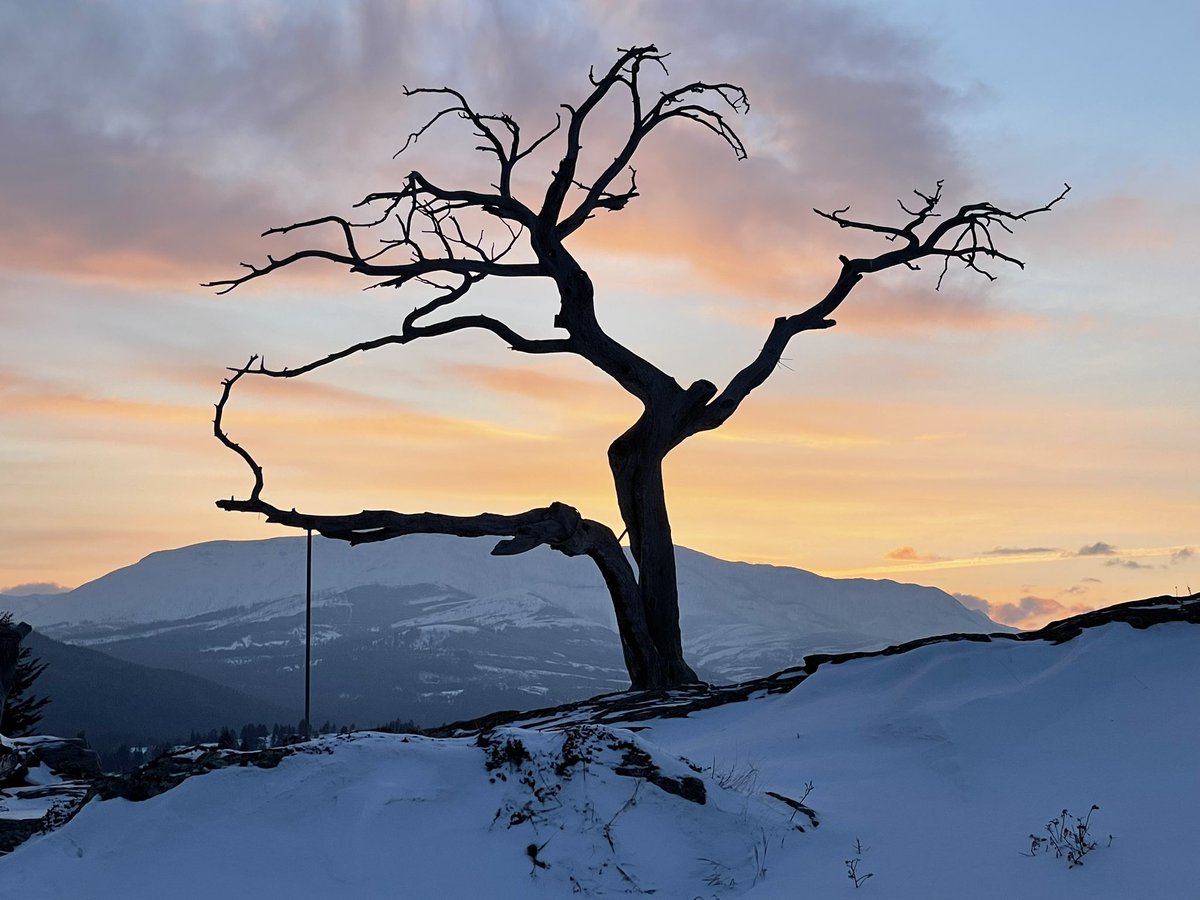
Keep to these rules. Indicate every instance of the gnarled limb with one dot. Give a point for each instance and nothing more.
(626, 72)
(966, 236)
(558, 526)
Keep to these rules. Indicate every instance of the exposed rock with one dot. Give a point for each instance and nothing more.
(166, 771)
(15, 832)
(66, 756)
(637, 763)
(626, 707)
(45, 781)
(33, 797)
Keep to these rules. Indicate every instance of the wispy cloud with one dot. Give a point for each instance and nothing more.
(1100, 548)
(140, 146)
(1127, 564)
(908, 554)
(1019, 551)
(33, 587)
(906, 559)
(1029, 612)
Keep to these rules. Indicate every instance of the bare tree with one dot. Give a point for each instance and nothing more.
(430, 243)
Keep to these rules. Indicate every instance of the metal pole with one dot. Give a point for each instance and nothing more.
(308, 642)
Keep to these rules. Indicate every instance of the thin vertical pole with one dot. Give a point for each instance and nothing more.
(308, 642)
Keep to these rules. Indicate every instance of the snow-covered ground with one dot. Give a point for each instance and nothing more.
(939, 762)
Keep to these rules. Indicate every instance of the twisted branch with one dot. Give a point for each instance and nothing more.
(969, 236)
(558, 526)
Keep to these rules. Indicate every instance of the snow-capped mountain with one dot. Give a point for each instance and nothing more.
(434, 628)
(224, 575)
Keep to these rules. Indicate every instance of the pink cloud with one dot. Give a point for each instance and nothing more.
(908, 554)
(1028, 613)
(151, 153)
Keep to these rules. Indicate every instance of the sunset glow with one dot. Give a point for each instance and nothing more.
(1028, 443)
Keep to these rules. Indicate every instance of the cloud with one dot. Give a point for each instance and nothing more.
(1183, 555)
(66, 406)
(1127, 564)
(908, 554)
(1097, 549)
(34, 587)
(1019, 551)
(971, 601)
(1117, 224)
(1029, 612)
(144, 147)
(547, 386)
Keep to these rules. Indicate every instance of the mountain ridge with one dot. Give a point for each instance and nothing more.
(215, 575)
(118, 702)
(433, 628)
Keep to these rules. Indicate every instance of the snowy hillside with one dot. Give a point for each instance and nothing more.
(928, 770)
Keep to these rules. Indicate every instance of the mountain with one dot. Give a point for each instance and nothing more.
(118, 702)
(942, 770)
(424, 652)
(221, 575)
(434, 628)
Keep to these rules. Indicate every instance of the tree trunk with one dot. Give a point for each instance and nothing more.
(642, 659)
(636, 465)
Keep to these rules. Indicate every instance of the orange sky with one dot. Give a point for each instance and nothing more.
(1027, 443)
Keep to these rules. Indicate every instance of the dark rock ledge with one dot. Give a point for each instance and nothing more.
(633, 706)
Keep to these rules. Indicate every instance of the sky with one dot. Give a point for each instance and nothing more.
(1027, 444)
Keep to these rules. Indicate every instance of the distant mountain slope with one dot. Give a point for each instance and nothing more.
(118, 702)
(434, 628)
(219, 575)
(422, 652)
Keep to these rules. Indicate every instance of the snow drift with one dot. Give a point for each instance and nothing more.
(929, 770)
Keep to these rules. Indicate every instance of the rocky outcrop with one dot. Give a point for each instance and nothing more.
(634, 706)
(36, 796)
(45, 781)
(166, 771)
(69, 757)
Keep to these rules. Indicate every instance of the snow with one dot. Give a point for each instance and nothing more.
(941, 761)
(209, 578)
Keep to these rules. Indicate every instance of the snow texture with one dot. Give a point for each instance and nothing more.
(940, 761)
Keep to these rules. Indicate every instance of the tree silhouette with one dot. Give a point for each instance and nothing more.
(432, 241)
(22, 710)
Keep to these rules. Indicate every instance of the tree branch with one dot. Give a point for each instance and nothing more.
(395, 275)
(219, 431)
(549, 525)
(969, 233)
(626, 72)
(558, 526)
